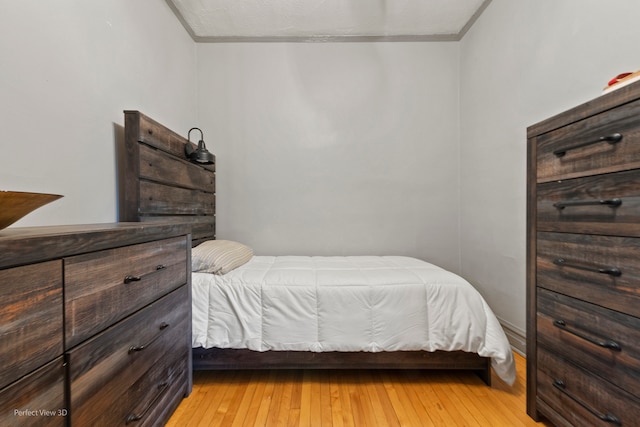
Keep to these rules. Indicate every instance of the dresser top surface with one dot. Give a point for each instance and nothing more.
(595, 106)
(26, 245)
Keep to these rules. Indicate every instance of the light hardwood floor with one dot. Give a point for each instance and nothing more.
(353, 398)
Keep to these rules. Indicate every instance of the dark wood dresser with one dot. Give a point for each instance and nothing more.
(95, 324)
(583, 264)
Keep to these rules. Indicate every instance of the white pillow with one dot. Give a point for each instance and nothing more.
(219, 256)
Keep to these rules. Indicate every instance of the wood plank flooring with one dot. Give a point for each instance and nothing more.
(353, 398)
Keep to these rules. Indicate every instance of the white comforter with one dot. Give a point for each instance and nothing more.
(363, 303)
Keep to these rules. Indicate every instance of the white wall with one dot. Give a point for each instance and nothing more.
(67, 71)
(524, 61)
(335, 148)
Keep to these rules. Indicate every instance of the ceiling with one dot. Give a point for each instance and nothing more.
(327, 20)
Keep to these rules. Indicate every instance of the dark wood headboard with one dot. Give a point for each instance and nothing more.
(161, 184)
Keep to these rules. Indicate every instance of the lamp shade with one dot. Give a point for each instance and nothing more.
(200, 154)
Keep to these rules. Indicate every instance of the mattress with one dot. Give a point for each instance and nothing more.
(355, 303)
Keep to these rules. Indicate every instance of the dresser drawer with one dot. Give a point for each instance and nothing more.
(123, 370)
(30, 318)
(588, 145)
(601, 204)
(104, 287)
(37, 399)
(600, 340)
(580, 397)
(603, 270)
(152, 399)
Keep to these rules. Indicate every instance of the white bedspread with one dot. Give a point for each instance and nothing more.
(357, 303)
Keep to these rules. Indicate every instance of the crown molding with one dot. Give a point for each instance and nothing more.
(331, 38)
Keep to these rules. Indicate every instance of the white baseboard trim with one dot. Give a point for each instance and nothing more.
(516, 336)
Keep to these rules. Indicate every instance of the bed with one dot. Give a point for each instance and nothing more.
(289, 312)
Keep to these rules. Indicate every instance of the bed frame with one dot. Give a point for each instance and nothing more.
(160, 184)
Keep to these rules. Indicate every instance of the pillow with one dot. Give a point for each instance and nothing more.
(219, 256)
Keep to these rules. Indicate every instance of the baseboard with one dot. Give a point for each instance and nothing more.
(516, 336)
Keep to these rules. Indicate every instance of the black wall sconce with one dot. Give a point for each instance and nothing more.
(199, 155)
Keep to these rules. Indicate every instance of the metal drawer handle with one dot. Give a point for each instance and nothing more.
(611, 271)
(612, 203)
(128, 279)
(611, 139)
(609, 418)
(604, 343)
(133, 417)
(135, 348)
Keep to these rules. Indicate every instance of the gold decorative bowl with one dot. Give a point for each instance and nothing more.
(16, 204)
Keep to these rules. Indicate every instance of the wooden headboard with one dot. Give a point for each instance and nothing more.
(161, 184)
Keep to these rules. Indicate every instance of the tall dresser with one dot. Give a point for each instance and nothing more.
(95, 324)
(583, 263)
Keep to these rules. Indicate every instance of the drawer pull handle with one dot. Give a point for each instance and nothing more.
(611, 271)
(135, 348)
(611, 139)
(604, 343)
(609, 418)
(612, 203)
(129, 279)
(133, 417)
